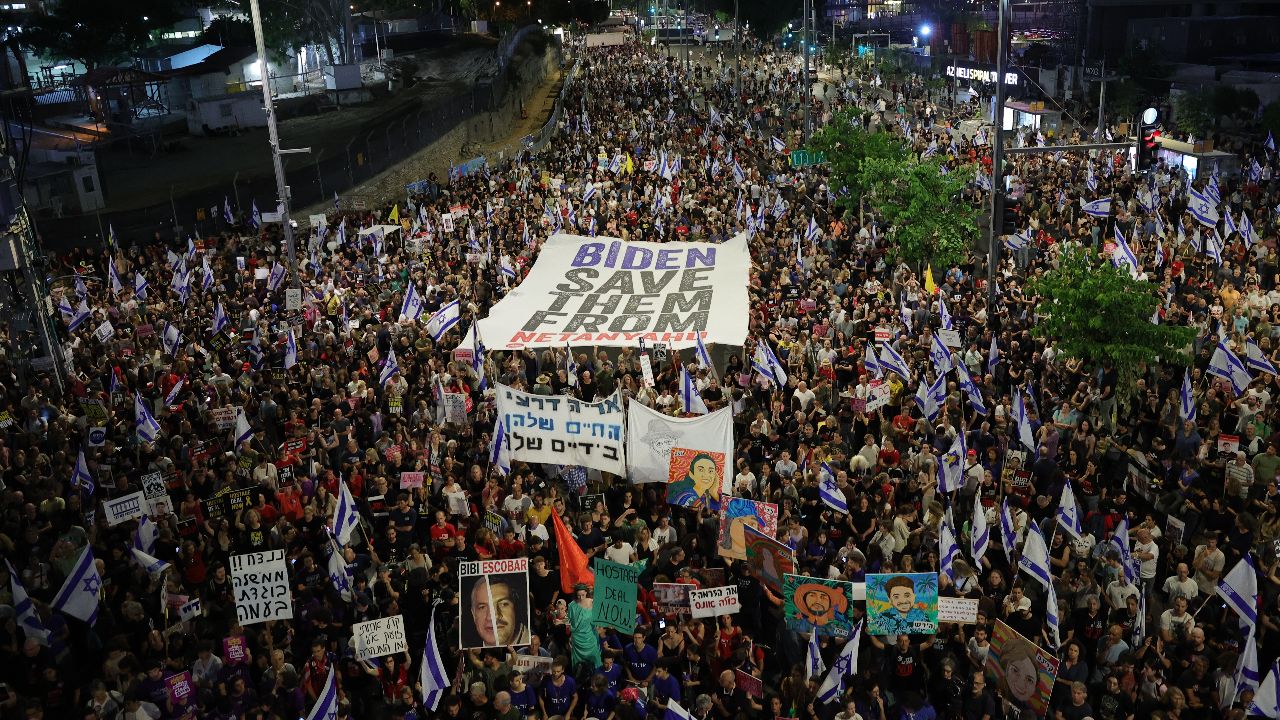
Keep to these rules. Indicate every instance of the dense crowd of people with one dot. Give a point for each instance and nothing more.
(697, 163)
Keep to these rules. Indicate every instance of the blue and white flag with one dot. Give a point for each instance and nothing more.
(117, 287)
(1270, 142)
(778, 145)
(830, 493)
(507, 269)
(1035, 556)
(25, 611)
(153, 565)
(570, 366)
(590, 193)
(871, 362)
(979, 534)
(1120, 539)
(1008, 533)
(1247, 231)
(1023, 423)
(1256, 360)
(700, 353)
(1239, 588)
(949, 549)
(226, 210)
(1266, 701)
(171, 340)
(1248, 674)
(80, 476)
(1051, 618)
(1090, 181)
(1212, 191)
(145, 425)
(255, 217)
(1213, 247)
(993, 356)
(1203, 208)
(676, 712)
(1229, 223)
(242, 431)
(346, 516)
(891, 361)
(140, 286)
(766, 363)
(326, 707)
(846, 665)
(290, 350)
(444, 319)
(1226, 365)
(340, 573)
(1123, 257)
(813, 666)
(1098, 208)
(275, 277)
(146, 535)
(812, 233)
(390, 368)
(1186, 400)
(412, 307)
(970, 388)
(690, 400)
(943, 315)
(500, 449)
(924, 400)
(477, 356)
(940, 355)
(79, 594)
(435, 677)
(1069, 512)
(951, 466)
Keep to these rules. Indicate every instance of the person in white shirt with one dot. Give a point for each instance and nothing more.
(664, 533)
(785, 467)
(1180, 585)
(1147, 553)
(1176, 622)
(1119, 591)
(620, 552)
(1208, 562)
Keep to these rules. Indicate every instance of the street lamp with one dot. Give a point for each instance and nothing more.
(925, 30)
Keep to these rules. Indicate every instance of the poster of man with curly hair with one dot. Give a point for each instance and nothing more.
(818, 605)
(902, 603)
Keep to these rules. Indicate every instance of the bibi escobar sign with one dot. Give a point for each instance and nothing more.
(602, 291)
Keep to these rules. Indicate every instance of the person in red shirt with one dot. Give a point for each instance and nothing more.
(889, 457)
(442, 534)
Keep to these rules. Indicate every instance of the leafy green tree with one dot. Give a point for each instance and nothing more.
(1194, 112)
(848, 146)
(929, 220)
(96, 33)
(1094, 311)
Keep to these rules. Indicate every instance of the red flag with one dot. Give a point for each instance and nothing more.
(573, 562)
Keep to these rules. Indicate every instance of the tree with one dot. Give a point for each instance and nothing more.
(1094, 311)
(930, 221)
(96, 33)
(1194, 112)
(848, 146)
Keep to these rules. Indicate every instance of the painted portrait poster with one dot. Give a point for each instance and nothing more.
(736, 515)
(696, 478)
(900, 603)
(1023, 672)
(818, 605)
(769, 559)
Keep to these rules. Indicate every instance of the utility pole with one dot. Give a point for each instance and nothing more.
(282, 189)
(737, 54)
(1102, 101)
(808, 84)
(997, 160)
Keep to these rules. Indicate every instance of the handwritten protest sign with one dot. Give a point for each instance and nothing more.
(377, 638)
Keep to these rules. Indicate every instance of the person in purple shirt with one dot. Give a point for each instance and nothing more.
(640, 659)
(611, 671)
(601, 700)
(559, 692)
(665, 688)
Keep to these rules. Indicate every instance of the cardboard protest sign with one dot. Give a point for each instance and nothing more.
(736, 514)
(902, 603)
(957, 610)
(818, 605)
(261, 584)
(378, 638)
(714, 602)
(495, 603)
(1024, 673)
(615, 595)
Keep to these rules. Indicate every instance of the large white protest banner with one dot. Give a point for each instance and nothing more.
(377, 638)
(604, 291)
(260, 581)
(651, 435)
(562, 430)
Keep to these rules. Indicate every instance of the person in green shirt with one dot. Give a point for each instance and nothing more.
(582, 635)
(1266, 464)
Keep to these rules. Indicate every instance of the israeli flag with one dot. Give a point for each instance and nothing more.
(326, 707)
(80, 476)
(411, 307)
(940, 356)
(700, 353)
(153, 566)
(944, 316)
(1051, 617)
(1120, 539)
(1229, 223)
(1069, 512)
(500, 449)
(1203, 208)
(778, 145)
(1248, 675)
(1226, 365)
(813, 666)
(139, 286)
(340, 573)
(220, 319)
(25, 610)
(1035, 556)
(982, 180)
(1239, 589)
(1214, 247)
(951, 467)
(891, 361)
(766, 363)
(979, 533)
(590, 193)
(676, 712)
(226, 210)
(443, 320)
(117, 287)
(242, 431)
(1212, 190)
(1008, 533)
(82, 313)
(738, 174)
(948, 548)
(1089, 180)
(1270, 142)
(435, 678)
(145, 424)
(477, 356)
(146, 536)
(1186, 401)
(1255, 360)
(79, 594)
(1123, 256)
(830, 493)
(255, 217)
(1247, 232)
(924, 399)
(1098, 208)
(993, 356)
(390, 368)
(290, 351)
(171, 339)
(846, 664)
(1024, 424)
(690, 400)
(345, 516)
(969, 387)
(872, 363)
(812, 234)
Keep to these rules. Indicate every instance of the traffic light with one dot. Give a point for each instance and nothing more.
(1148, 131)
(1010, 215)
